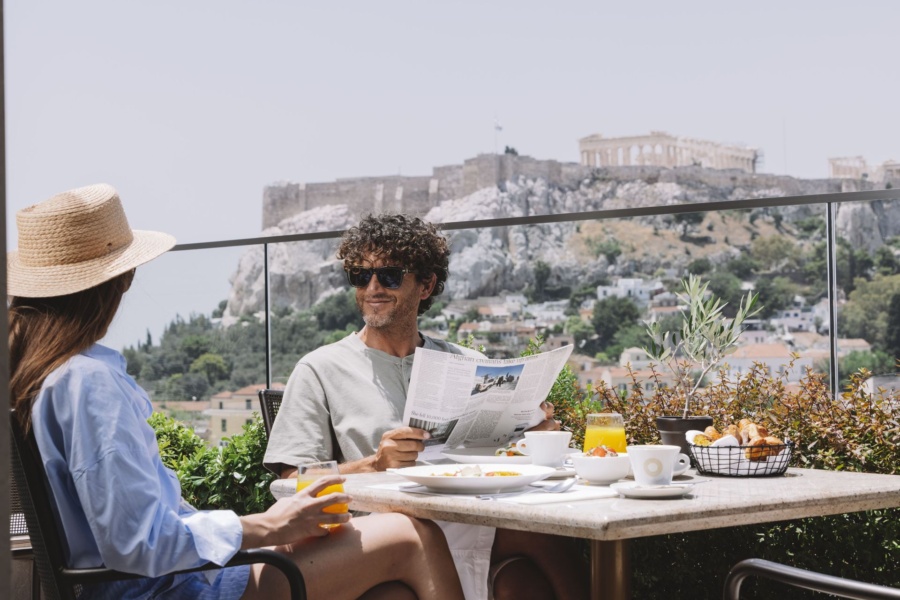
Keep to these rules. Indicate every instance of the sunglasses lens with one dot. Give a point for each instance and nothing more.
(390, 277)
(359, 277)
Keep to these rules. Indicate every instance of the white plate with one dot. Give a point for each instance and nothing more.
(474, 456)
(631, 489)
(430, 476)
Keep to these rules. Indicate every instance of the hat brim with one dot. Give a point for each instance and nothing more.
(59, 280)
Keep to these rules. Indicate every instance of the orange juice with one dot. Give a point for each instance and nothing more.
(333, 508)
(599, 435)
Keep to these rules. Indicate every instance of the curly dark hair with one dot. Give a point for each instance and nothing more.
(402, 241)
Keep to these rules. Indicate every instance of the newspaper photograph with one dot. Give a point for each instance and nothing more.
(463, 401)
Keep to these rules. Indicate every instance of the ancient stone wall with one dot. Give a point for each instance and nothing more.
(416, 194)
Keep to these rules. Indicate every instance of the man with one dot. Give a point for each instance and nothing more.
(345, 401)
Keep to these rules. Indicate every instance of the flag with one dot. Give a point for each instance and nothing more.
(497, 126)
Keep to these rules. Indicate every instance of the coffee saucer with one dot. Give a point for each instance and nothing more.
(631, 489)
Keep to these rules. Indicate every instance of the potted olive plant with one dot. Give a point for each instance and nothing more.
(705, 339)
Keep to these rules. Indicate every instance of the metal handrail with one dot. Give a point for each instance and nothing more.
(591, 215)
(829, 200)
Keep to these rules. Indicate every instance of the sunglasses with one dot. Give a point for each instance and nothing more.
(388, 277)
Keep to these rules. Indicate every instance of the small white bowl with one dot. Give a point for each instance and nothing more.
(601, 469)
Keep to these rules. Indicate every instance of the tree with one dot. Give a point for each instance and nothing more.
(337, 311)
(195, 345)
(892, 333)
(775, 293)
(879, 363)
(866, 313)
(743, 267)
(610, 315)
(886, 262)
(775, 252)
(582, 332)
(212, 366)
(699, 266)
(541, 275)
(728, 288)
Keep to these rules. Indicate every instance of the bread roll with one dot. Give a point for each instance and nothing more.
(712, 433)
(756, 450)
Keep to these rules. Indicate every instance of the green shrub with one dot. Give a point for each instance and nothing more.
(228, 478)
(855, 432)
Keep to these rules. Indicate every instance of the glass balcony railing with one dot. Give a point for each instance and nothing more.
(829, 287)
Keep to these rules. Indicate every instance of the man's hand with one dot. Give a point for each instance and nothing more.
(400, 448)
(549, 423)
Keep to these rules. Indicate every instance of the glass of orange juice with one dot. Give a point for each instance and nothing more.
(604, 429)
(309, 472)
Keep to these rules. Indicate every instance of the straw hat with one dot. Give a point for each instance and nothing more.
(76, 240)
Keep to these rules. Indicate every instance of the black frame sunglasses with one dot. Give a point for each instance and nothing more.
(388, 277)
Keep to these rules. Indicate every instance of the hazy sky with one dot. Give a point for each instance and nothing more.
(190, 108)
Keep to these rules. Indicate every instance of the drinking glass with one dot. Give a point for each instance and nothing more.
(309, 472)
(604, 429)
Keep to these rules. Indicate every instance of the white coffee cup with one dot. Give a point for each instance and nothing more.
(547, 448)
(656, 465)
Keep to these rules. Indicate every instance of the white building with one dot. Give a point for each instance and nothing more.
(634, 289)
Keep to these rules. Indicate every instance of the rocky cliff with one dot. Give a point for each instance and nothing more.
(488, 261)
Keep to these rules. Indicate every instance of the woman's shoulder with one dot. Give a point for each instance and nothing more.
(95, 364)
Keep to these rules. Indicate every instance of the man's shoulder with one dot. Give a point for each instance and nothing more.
(445, 346)
(351, 344)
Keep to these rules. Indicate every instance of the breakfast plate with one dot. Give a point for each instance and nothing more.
(460, 480)
(631, 489)
(482, 455)
(486, 454)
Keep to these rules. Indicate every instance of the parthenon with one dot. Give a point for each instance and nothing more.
(661, 149)
(856, 167)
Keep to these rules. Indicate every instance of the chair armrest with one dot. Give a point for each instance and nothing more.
(810, 580)
(243, 557)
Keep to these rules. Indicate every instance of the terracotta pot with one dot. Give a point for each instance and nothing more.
(672, 429)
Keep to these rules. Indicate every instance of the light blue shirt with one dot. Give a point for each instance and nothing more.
(117, 504)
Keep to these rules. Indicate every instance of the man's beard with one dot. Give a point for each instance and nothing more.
(403, 311)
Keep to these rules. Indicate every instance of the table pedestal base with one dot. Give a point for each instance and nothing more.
(611, 570)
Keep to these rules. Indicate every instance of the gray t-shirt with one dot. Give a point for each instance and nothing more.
(339, 401)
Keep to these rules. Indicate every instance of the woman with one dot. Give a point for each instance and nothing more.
(118, 505)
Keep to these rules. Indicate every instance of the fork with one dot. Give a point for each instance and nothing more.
(562, 486)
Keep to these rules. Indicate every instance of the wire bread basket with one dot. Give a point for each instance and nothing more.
(742, 461)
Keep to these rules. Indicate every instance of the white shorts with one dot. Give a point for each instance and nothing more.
(470, 546)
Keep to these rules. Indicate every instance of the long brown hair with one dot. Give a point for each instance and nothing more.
(46, 332)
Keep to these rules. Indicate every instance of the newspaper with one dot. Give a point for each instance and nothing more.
(463, 401)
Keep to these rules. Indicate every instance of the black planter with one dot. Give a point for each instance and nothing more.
(672, 430)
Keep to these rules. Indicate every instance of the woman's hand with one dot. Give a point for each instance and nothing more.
(295, 518)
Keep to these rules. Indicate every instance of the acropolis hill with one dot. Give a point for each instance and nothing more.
(487, 261)
(657, 157)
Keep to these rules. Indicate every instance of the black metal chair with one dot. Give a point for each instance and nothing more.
(269, 403)
(19, 542)
(801, 578)
(59, 582)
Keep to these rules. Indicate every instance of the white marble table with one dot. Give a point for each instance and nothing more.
(611, 523)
